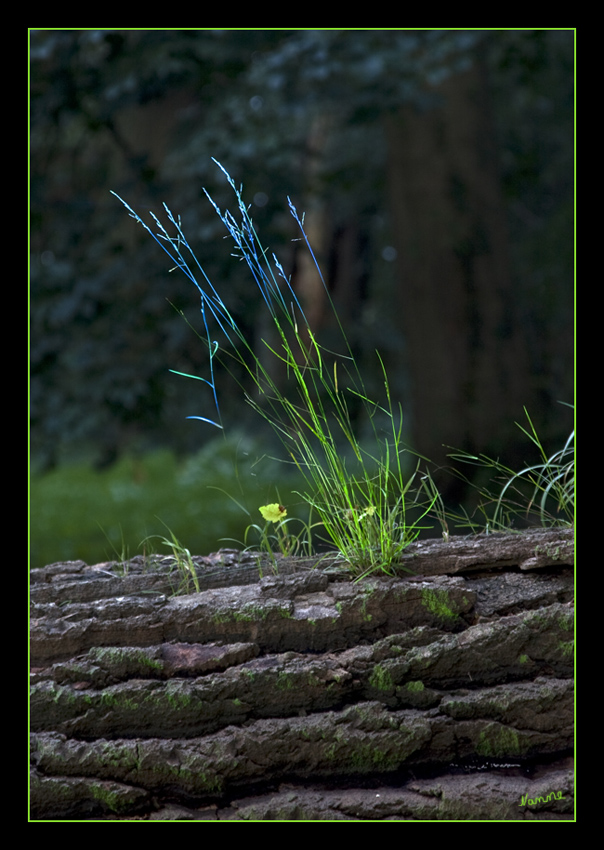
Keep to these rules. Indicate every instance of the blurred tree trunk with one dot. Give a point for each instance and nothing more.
(464, 345)
(306, 279)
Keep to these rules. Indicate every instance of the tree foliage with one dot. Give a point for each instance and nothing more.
(288, 112)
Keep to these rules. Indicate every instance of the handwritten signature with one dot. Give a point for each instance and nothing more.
(533, 801)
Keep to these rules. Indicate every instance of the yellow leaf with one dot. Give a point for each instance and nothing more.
(273, 513)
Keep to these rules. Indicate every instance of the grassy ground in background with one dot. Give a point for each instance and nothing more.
(74, 507)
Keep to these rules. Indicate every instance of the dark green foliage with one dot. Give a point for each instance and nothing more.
(143, 111)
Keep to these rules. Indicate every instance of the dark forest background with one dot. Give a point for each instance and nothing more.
(435, 170)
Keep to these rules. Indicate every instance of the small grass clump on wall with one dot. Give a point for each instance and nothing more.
(78, 513)
(358, 492)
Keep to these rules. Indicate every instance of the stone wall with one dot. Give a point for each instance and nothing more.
(442, 692)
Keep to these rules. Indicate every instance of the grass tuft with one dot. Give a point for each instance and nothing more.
(359, 496)
(181, 557)
(541, 493)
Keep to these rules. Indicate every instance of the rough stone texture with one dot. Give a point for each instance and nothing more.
(442, 694)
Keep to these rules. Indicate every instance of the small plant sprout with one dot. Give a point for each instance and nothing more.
(282, 540)
(181, 557)
(275, 515)
(122, 556)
